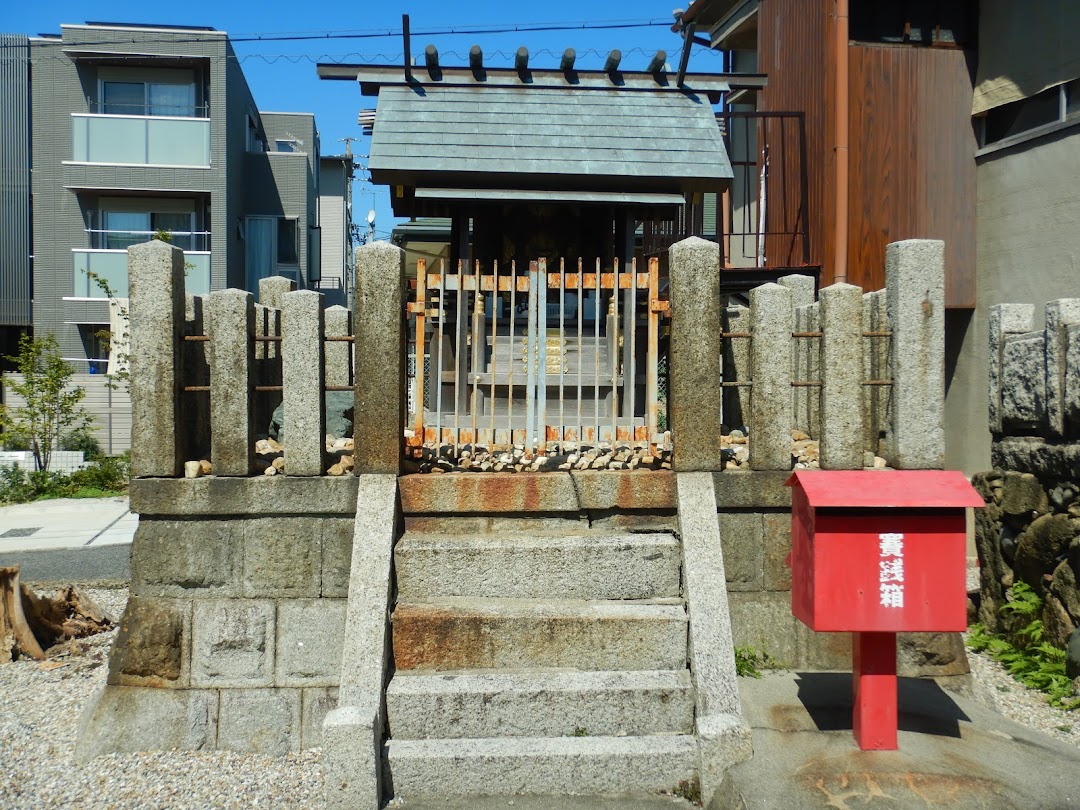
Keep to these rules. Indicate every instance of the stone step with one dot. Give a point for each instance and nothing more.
(545, 765)
(539, 704)
(600, 566)
(468, 633)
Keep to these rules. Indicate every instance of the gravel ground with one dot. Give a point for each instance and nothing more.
(40, 706)
(41, 702)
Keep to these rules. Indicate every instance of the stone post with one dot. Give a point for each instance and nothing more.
(875, 363)
(802, 295)
(302, 382)
(1004, 319)
(736, 368)
(231, 327)
(1060, 314)
(337, 354)
(272, 290)
(156, 284)
(381, 347)
(842, 430)
(694, 389)
(915, 289)
(771, 414)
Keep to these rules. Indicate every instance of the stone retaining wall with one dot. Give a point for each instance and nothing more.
(1030, 529)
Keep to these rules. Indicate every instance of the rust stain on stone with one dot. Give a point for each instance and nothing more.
(847, 790)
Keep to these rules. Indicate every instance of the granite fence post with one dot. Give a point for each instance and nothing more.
(157, 308)
(736, 399)
(1060, 314)
(1072, 380)
(802, 295)
(272, 290)
(771, 413)
(875, 362)
(694, 392)
(337, 354)
(842, 430)
(231, 328)
(1005, 319)
(915, 289)
(302, 382)
(381, 400)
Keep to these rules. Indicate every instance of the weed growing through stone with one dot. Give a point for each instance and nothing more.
(1024, 652)
(749, 662)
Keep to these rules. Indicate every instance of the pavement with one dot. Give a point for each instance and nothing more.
(68, 539)
(953, 752)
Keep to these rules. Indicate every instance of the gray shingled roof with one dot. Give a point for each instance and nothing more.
(612, 138)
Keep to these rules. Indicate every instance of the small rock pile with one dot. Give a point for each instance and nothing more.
(555, 456)
(735, 455)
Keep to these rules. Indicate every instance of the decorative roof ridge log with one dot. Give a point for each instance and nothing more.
(373, 77)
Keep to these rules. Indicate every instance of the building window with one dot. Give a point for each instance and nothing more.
(256, 142)
(1030, 116)
(148, 98)
(287, 242)
(288, 145)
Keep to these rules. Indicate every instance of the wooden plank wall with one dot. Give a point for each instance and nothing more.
(792, 41)
(912, 161)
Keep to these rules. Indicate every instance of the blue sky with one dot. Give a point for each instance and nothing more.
(282, 73)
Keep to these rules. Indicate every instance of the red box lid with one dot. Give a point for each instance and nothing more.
(885, 489)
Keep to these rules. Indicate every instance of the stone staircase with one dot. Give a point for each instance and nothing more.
(538, 659)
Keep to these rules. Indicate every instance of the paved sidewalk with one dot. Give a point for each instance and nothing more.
(66, 523)
(953, 752)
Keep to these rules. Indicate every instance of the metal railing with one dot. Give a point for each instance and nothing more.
(174, 110)
(765, 214)
(529, 358)
(122, 240)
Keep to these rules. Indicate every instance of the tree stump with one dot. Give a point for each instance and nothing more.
(16, 637)
(30, 623)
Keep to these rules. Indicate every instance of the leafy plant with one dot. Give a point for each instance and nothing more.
(749, 662)
(51, 406)
(81, 440)
(1024, 652)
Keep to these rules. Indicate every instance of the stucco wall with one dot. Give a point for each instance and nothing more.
(1027, 251)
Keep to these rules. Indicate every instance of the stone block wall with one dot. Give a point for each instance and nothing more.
(233, 633)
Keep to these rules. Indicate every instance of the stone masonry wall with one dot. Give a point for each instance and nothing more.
(1030, 529)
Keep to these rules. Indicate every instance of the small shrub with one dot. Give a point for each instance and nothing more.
(82, 440)
(14, 440)
(109, 474)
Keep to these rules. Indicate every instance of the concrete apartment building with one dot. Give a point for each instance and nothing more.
(135, 129)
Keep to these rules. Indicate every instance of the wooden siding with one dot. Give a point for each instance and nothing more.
(792, 51)
(912, 161)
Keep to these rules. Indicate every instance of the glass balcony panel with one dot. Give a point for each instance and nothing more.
(178, 143)
(197, 275)
(80, 138)
(117, 140)
(110, 266)
(141, 140)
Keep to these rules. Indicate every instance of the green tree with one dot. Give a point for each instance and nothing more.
(51, 406)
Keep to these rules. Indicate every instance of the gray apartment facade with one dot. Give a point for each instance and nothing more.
(137, 129)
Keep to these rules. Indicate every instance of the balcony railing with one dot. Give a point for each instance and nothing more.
(121, 240)
(109, 267)
(141, 140)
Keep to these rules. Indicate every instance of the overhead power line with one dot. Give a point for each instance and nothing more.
(481, 30)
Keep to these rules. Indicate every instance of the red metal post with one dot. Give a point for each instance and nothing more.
(874, 690)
